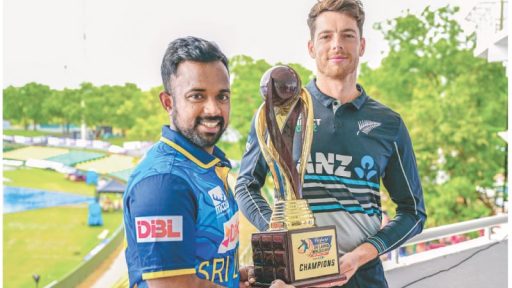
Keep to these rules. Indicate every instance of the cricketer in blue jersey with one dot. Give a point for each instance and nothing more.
(357, 142)
(180, 215)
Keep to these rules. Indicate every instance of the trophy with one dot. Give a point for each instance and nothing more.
(293, 249)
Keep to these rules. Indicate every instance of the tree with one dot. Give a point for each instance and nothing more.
(12, 107)
(150, 116)
(245, 91)
(124, 103)
(30, 101)
(63, 106)
(453, 104)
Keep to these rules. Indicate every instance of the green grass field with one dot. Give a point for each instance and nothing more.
(50, 242)
(46, 180)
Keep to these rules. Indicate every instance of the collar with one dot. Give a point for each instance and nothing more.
(194, 153)
(327, 101)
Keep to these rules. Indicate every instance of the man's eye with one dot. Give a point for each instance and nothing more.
(196, 96)
(223, 97)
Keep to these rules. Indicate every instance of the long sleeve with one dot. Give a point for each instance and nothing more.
(402, 181)
(251, 179)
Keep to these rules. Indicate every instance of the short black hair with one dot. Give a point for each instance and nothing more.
(188, 49)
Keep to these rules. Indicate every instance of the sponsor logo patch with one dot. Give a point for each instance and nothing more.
(159, 228)
(230, 240)
(316, 124)
(219, 200)
(366, 171)
(314, 247)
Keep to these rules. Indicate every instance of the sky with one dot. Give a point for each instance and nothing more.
(62, 43)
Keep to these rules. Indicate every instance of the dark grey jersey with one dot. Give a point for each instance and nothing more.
(355, 145)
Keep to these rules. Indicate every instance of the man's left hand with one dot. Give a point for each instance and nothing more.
(348, 267)
(349, 263)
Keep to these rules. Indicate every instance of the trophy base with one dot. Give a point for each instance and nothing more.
(302, 257)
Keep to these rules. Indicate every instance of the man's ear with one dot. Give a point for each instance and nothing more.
(311, 49)
(362, 47)
(166, 101)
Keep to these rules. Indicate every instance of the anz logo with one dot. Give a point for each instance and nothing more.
(332, 164)
(337, 165)
(366, 170)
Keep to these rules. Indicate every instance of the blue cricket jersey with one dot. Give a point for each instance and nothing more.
(180, 215)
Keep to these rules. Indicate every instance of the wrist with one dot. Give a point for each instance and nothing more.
(364, 253)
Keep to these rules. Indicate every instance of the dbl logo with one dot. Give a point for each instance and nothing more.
(159, 228)
(230, 235)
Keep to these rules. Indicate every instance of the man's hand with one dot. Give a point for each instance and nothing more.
(280, 284)
(246, 276)
(349, 263)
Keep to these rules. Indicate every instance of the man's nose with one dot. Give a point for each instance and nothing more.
(337, 43)
(212, 107)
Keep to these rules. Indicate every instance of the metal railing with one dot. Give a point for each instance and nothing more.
(430, 234)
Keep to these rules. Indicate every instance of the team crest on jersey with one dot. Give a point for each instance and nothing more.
(366, 126)
(220, 201)
(230, 240)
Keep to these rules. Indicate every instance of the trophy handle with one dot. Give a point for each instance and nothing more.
(276, 162)
(308, 131)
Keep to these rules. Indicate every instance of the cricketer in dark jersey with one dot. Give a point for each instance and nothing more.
(355, 145)
(180, 214)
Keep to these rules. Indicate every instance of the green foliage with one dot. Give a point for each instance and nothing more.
(245, 91)
(24, 104)
(12, 108)
(61, 113)
(453, 104)
(150, 117)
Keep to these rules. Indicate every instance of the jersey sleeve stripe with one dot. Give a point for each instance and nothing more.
(168, 273)
(406, 235)
(406, 180)
(255, 204)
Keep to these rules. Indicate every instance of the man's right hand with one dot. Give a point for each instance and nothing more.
(246, 276)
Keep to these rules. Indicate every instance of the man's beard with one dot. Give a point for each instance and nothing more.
(194, 136)
(342, 73)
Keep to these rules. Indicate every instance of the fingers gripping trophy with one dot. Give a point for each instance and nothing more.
(293, 249)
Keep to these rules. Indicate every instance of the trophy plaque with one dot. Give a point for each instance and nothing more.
(293, 249)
